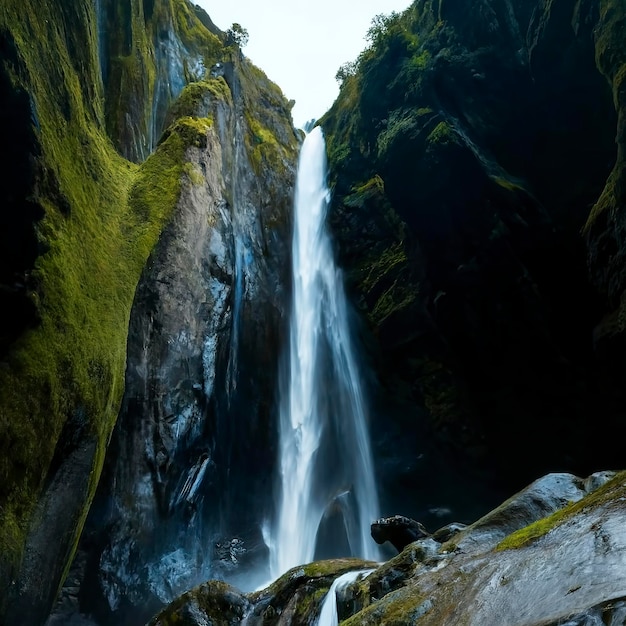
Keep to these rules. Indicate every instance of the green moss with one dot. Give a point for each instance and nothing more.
(193, 173)
(194, 35)
(271, 142)
(263, 147)
(398, 608)
(85, 282)
(442, 134)
(309, 604)
(535, 530)
(384, 264)
(507, 183)
(373, 188)
(221, 603)
(334, 567)
(195, 98)
(397, 298)
(611, 491)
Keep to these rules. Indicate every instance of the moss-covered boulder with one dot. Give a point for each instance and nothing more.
(213, 602)
(295, 598)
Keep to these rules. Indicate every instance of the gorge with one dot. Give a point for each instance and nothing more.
(475, 201)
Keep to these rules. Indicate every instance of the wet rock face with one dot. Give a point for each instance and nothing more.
(190, 464)
(162, 459)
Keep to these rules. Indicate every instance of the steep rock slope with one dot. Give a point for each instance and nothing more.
(78, 226)
(192, 456)
(468, 145)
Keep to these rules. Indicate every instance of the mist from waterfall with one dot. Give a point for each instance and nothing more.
(328, 493)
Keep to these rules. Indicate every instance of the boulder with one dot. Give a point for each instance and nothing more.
(398, 530)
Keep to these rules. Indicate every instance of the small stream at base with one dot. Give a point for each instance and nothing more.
(328, 614)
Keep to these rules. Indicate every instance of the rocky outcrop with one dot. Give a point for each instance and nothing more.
(565, 564)
(89, 88)
(191, 460)
(295, 598)
(515, 565)
(467, 147)
(148, 52)
(398, 530)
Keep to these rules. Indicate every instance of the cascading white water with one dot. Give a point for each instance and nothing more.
(325, 458)
(328, 613)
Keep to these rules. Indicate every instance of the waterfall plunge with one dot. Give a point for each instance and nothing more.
(328, 498)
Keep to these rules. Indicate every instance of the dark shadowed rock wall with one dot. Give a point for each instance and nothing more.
(469, 145)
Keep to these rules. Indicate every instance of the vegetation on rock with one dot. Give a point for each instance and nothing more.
(463, 113)
(87, 89)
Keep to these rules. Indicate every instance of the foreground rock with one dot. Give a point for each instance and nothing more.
(398, 530)
(554, 553)
(294, 598)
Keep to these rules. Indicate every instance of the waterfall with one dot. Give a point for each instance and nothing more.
(328, 497)
(328, 613)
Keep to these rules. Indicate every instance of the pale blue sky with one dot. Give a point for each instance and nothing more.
(300, 45)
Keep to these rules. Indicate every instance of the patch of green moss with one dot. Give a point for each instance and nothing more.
(195, 98)
(263, 147)
(398, 608)
(383, 265)
(361, 194)
(194, 34)
(309, 604)
(334, 567)
(193, 173)
(442, 134)
(192, 130)
(398, 297)
(507, 183)
(611, 491)
(221, 603)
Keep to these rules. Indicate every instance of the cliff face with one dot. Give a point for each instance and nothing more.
(88, 89)
(148, 51)
(468, 145)
(191, 460)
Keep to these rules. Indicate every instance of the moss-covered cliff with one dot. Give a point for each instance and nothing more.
(86, 90)
(468, 145)
(191, 459)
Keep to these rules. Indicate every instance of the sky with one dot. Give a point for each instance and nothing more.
(300, 45)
